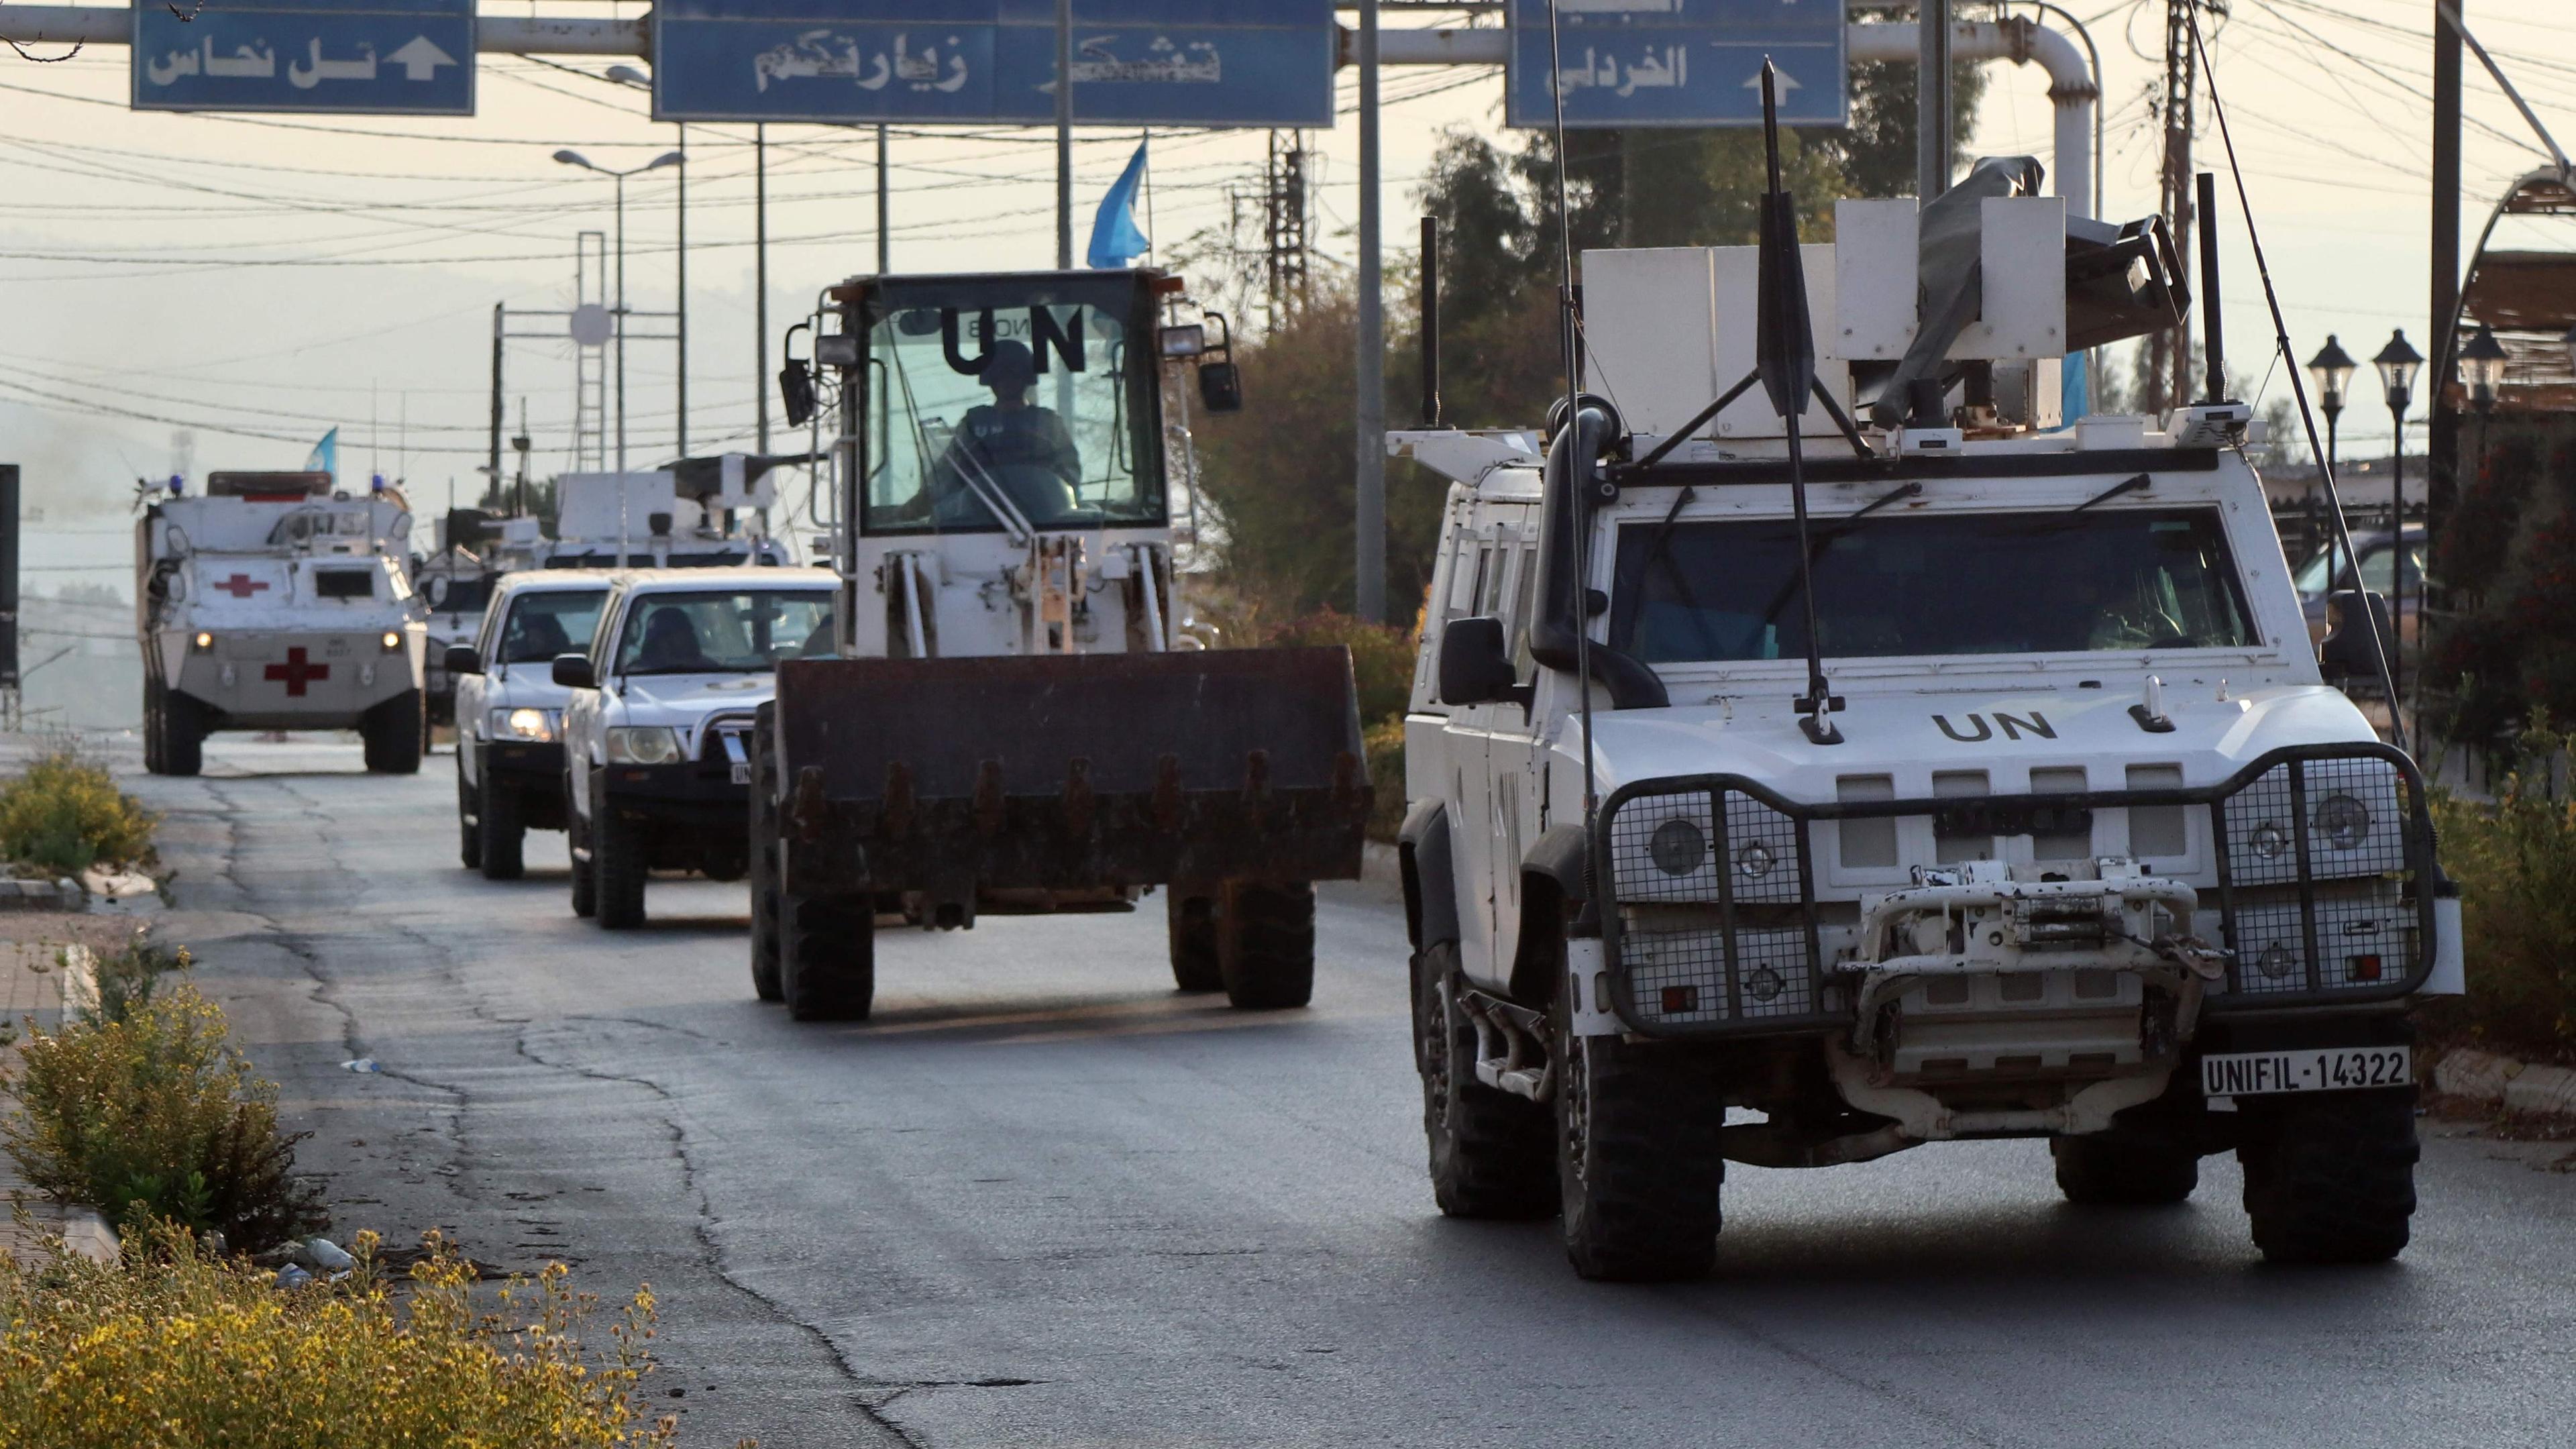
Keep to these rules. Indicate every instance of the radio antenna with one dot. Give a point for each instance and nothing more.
(1784, 354)
(2379, 645)
(1570, 336)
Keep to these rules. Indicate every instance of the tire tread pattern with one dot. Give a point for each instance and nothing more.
(1266, 944)
(1641, 1198)
(2331, 1178)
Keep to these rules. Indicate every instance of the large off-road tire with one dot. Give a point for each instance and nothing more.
(585, 874)
(827, 956)
(183, 734)
(393, 732)
(1191, 923)
(1266, 944)
(501, 828)
(617, 859)
(1493, 1155)
(1638, 1169)
(152, 727)
(2124, 1169)
(765, 980)
(469, 833)
(2331, 1178)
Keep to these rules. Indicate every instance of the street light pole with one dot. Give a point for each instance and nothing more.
(1369, 480)
(1064, 135)
(667, 158)
(2332, 368)
(682, 325)
(760, 280)
(621, 329)
(2397, 364)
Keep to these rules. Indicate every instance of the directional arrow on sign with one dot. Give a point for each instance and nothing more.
(420, 59)
(1787, 84)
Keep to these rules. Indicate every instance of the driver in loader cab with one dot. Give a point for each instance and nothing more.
(1007, 441)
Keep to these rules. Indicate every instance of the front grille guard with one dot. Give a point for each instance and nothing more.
(1763, 966)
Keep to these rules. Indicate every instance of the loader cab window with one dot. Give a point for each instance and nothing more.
(991, 401)
(1933, 584)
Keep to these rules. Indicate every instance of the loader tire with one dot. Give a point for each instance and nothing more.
(1191, 920)
(469, 832)
(500, 826)
(1493, 1155)
(763, 843)
(585, 878)
(827, 957)
(1266, 944)
(2124, 1169)
(392, 732)
(1637, 1157)
(152, 727)
(617, 859)
(2331, 1178)
(183, 734)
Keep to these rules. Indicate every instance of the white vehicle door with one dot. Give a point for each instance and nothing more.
(473, 696)
(1514, 756)
(585, 713)
(1476, 588)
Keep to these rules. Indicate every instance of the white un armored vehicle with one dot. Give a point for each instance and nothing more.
(269, 604)
(2053, 832)
(1011, 724)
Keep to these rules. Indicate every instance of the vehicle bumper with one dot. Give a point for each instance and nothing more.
(692, 793)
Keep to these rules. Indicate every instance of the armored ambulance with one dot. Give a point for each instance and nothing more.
(272, 604)
(2075, 844)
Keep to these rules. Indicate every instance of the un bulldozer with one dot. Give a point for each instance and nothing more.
(1006, 718)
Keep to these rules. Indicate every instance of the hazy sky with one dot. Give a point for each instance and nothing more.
(276, 276)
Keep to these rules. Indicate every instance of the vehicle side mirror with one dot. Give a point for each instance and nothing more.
(572, 671)
(1220, 387)
(795, 383)
(461, 659)
(2347, 652)
(1476, 665)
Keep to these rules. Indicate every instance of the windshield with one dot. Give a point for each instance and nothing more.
(734, 632)
(1023, 396)
(2375, 561)
(2036, 583)
(542, 626)
(458, 593)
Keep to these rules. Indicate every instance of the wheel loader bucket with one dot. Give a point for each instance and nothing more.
(961, 776)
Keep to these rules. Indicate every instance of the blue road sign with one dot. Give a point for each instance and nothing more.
(374, 57)
(1135, 62)
(1678, 62)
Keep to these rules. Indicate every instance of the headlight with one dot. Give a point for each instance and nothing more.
(524, 724)
(2269, 840)
(2343, 822)
(643, 745)
(392, 641)
(1677, 847)
(203, 642)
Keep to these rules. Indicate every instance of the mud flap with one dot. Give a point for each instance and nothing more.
(950, 776)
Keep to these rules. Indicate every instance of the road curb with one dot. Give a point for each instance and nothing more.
(2501, 1081)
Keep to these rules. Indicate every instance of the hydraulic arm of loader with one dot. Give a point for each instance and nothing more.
(950, 776)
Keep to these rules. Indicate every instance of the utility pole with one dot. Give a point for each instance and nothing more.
(2442, 441)
(1064, 135)
(885, 208)
(1369, 442)
(760, 280)
(1932, 100)
(500, 310)
(682, 328)
(1287, 233)
(2166, 376)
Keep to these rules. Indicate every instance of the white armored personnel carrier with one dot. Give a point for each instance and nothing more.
(1964, 775)
(270, 604)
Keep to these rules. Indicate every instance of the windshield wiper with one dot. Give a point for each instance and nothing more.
(1834, 529)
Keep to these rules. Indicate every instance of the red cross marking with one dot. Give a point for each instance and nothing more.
(297, 671)
(242, 586)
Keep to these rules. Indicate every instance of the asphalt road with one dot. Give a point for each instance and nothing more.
(1043, 1200)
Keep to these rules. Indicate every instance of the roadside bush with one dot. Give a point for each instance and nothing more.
(1381, 658)
(155, 1117)
(65, 815)
(177, 1348)
(127, 977)
(2515, 861)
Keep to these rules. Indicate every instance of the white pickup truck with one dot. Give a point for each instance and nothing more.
(509, 712)
(659, 703)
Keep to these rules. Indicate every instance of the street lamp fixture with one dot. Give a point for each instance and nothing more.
(2398, 363)
(2482, 363)
(667, 158)
(627, 75)
(2332, 368)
